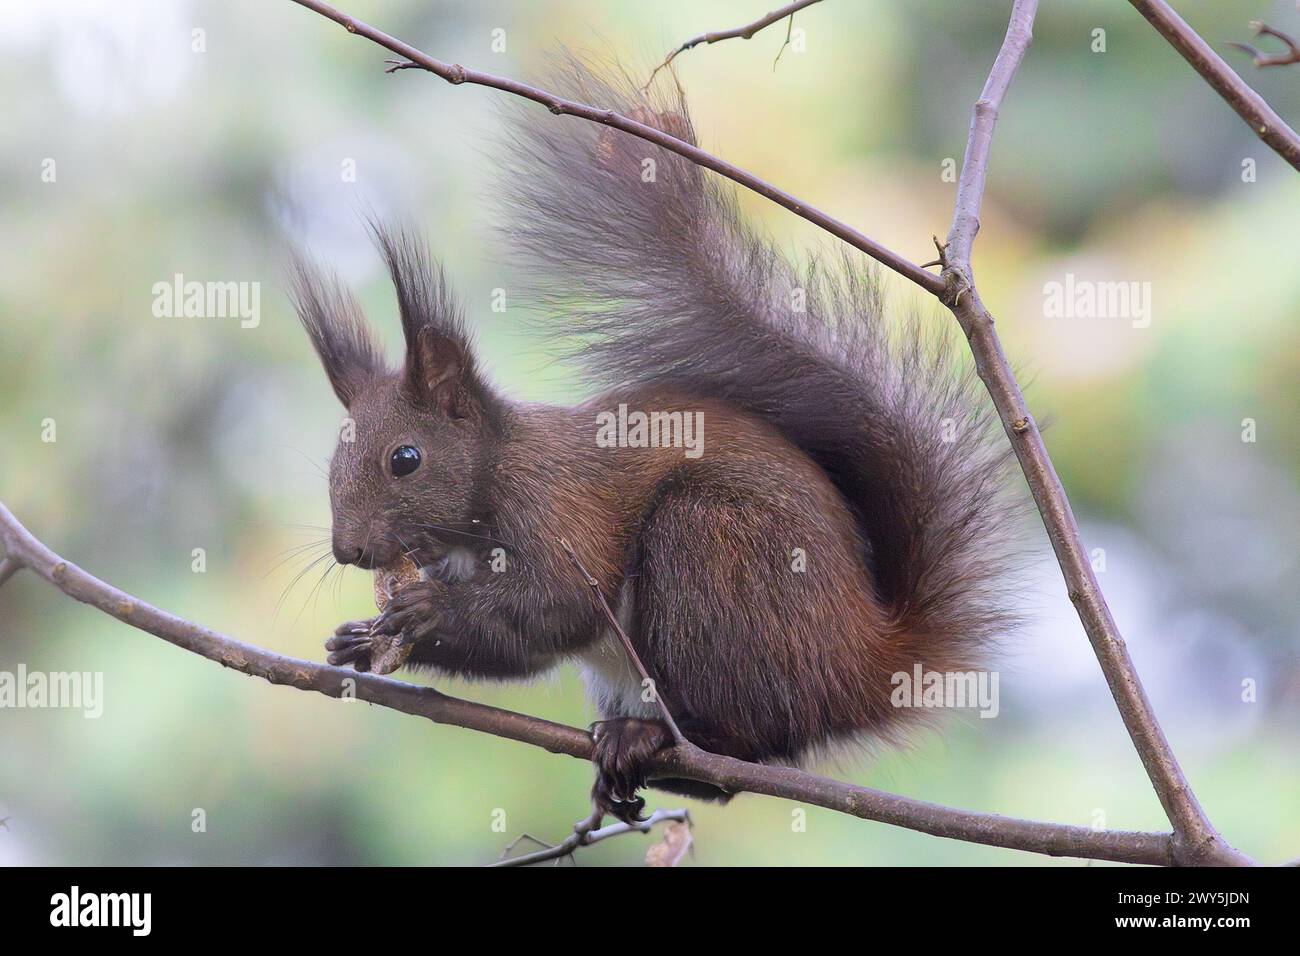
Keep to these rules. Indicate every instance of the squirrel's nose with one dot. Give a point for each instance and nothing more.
(346, 552)
(376, 555)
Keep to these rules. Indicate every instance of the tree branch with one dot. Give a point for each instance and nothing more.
(26, 550)
(456, 74)
(1191, 825)
(1249, 105)
(686, 760)
(745, 32)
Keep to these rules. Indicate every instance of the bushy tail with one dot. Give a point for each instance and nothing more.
(647, 262)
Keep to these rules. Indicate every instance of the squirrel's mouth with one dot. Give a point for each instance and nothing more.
(424, 557)
(444, 552)
(448, 564)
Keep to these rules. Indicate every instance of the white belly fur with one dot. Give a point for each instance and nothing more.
(613, 684)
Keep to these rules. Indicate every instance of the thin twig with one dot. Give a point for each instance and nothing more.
(742, 33)
(1249, 105)
(8, 568)
(519, 839)
(745, 32)
(974, 165)
(396, 65)
(585, 834)
(789, 32)
(580, 836)
(456, 75)
(1175, 794)
(686, 761)
(599, 598)
(1260, 58)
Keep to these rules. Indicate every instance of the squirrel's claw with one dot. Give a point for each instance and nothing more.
(623, 747)
(350, 644)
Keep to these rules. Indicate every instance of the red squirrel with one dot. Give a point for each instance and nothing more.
(840, 517)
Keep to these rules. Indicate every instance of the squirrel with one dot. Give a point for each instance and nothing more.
(841, 517)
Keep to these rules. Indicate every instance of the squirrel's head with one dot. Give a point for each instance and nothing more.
(402, 477)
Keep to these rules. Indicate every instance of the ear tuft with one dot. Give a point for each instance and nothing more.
(440, 370)
(337, 328)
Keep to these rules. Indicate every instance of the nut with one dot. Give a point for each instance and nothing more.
(384, 657)
(390, 580)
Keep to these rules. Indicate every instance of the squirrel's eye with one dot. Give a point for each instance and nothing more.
(405, 460)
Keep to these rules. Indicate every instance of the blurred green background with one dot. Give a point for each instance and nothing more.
(176, 434)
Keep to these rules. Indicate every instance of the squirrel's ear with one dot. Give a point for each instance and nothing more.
(337, 329)
(440, 372)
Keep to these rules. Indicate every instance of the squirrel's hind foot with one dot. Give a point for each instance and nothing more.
(624, 746)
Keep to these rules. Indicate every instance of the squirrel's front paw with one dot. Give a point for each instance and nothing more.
(383, 644)
(356, 643)
(351, 644)
(412, 614)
